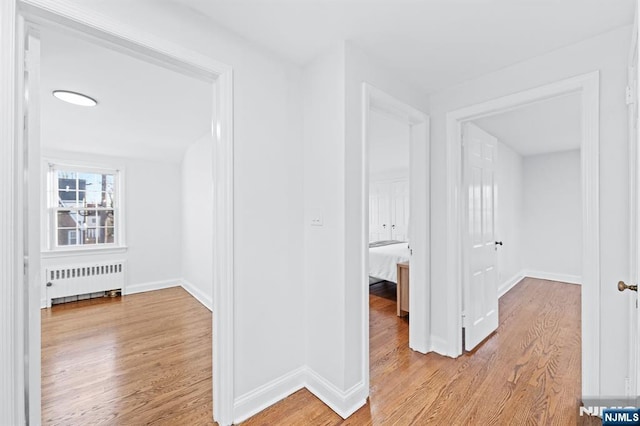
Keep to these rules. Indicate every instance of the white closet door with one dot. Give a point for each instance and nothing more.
(400, 210)
(379, 212)
(480, 285)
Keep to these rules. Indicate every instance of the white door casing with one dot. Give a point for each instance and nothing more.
(480, 287)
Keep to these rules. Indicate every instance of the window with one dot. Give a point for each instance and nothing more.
(83, 207)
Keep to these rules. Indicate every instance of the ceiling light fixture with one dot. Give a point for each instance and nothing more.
(75, 98)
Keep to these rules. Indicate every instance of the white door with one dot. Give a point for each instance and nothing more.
(634, 196)
(400, 210)
(32, 214)
(480, 288)
(379, 212)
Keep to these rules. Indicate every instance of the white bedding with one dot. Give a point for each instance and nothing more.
(383, 261)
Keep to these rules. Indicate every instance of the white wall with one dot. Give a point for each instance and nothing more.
(152, 220)
(388, 146)
(509, 217)
(268, 230)
(197, 223)
(552, 231)
(324, 258)
(607, 53)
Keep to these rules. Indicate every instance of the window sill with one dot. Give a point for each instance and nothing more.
(50, 254)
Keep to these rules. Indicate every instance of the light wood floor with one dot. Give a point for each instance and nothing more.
(528, 372)
(140, 359)
(146, 359)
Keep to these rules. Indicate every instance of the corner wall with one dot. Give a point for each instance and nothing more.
(197, 220)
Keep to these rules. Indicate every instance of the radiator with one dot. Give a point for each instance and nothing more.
(83, 280)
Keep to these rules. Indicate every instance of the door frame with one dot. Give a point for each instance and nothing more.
(420, 300)
(83, 20)
(588, 85)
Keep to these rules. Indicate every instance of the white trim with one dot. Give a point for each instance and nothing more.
(90, 251)
(12, 405)
(374, 99)
(441, 346)
(552, 276)
(251, 403)
(150, 286)
(198, 294)
(80, 18)
(510, 283)
(588, 85)
(344, 403)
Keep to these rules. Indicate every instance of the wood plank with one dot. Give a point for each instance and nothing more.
(146, 358)
(138, 359)
(528, 372)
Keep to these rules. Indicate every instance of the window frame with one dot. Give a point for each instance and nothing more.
(50, 236)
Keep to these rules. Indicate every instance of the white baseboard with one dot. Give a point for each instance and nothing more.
(563, 278)
(150, 286)
(440, 346)
(510, 283)
(344, 403)
(197, 293)
(268, 394)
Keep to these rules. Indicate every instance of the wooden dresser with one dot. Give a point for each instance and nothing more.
(403, 289)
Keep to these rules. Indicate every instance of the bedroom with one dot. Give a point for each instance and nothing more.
(389, 204)
(125, 188)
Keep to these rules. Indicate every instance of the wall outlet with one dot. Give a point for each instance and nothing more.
(316, 218)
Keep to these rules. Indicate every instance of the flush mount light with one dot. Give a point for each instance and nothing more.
(75, 98)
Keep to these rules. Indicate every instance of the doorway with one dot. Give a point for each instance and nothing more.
(587, 86)
(141, 46)
(416, 125)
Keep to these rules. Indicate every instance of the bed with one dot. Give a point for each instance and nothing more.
(384, 257)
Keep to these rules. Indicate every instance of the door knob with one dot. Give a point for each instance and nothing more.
(622, 286)
(498, 243)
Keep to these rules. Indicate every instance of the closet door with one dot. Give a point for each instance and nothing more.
(379, 212)
(400, 210)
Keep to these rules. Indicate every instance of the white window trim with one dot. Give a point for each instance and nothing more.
(49, 248)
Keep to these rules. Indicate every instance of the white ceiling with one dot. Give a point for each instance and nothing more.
(434, 43)
(552, 125)
(144, 110)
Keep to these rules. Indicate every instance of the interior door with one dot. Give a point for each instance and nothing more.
(400, 210)
(634, 198)
(31, 194)
(480, 288)
(379, 213)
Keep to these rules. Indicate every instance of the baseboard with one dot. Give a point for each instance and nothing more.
(150, 286)
(344, 403)
(197, 294)
(268, 394)
(440, 346)
(510, 283)
(563, 278)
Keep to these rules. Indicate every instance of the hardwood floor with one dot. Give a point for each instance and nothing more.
(528, 372)
(140, 359)
(146, 359)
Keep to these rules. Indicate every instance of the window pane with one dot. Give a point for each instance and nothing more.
(87, 200)
(66, 219)
(67, 237)
(110, 231)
